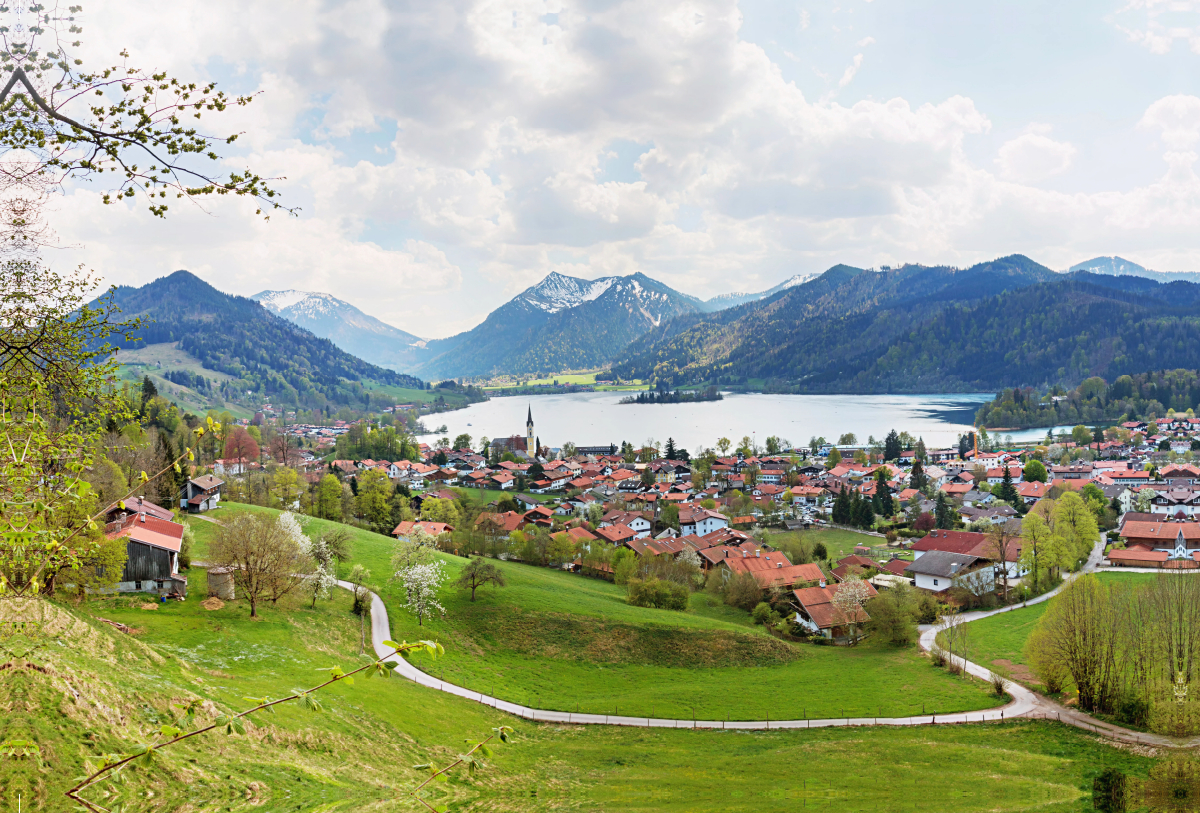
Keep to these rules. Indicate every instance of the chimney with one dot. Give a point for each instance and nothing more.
(121, 518)
(142, 517)
(757, 553)
(822, 582)
(743, 554)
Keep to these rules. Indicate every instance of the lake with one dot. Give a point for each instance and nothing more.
(596, 418)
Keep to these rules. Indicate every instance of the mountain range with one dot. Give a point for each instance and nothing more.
(266, 354)
(347, 327)
(1120, 267)
(1008, 322)
(558, 324)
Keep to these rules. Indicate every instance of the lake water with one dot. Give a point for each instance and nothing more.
(596, 418)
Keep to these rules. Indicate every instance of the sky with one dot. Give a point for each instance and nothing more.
(446, 155)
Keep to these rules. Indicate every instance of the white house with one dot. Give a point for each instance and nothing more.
(938, 571)
(700, 521)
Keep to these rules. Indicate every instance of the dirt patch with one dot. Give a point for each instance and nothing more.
(1017, 671)
(147, 606)
(212, 603)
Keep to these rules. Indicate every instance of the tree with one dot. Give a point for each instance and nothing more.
(324, 578)
(463, 441)
(848, 600)
(1081, 435)
(267, 557)
(477, 573)
(893, 615)
(942, 514)
(774, 444)
(670, 451)
(328, 503)
(924, 522)
(1007, 491)
(421, 583)
(891, 446)
(742, 591)
(373, 500)
(883, 492)
(362, 602)
(723, 444)
(1097, 437)
(1144, 503)
(438, 510)
(240, 446)
(1003, 547)
(647, 477)
(848, 439)
(1035, 472)
(834, 459)
(819, 552)
(917, 478)
(1076, 523)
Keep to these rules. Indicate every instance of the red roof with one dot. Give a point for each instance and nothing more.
(787, 575)
(152, 531)
(1137, 555)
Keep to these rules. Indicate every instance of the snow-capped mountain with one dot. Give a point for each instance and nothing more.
(1120, 267)
(347, 327)
(561, 323)
(723, 301)
(557, 291)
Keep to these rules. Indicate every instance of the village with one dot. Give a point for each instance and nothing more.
(952, 523)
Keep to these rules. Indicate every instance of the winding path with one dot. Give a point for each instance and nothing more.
(1025, 703)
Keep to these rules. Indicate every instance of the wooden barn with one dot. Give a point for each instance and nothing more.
(152, 551)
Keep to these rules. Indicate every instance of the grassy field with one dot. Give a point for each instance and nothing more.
(1000, 640)
(837, 542)
(563, 641)
(355, 755)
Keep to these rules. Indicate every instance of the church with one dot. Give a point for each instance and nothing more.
(526, 446)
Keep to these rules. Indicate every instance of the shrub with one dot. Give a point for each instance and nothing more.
(999, 683)
(927, 608)
(658, 593)
(762, 613)
(742, 591)
(1133, 710)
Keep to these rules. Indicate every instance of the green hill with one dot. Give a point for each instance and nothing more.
(264, 354)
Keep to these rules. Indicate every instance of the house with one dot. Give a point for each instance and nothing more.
(137, 505)
(201, 494)
(1178, 539)
(700, 521)
(853, 564)
(152, 554)
(972, 544)
(818, 614)
(1137, 557)
(1033, 491)
(408, 527)
(618, 535)
(631, 519)
(787, 575)
(938, 571)
(498, 525)
(997, 515)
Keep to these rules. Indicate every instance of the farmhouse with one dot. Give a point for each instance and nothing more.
(201, 494)
(152, 554)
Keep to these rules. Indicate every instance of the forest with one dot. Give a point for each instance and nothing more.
(1142, 397)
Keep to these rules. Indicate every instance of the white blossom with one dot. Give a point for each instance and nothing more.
(421, 584)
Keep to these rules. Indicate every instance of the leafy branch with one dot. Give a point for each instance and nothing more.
(469, 759)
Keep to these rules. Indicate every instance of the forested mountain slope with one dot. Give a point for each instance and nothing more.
(823, 335)
(235, 335)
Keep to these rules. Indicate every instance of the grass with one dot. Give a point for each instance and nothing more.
(1000, 639)
(357, 753)
(837, 542)
(563, 641)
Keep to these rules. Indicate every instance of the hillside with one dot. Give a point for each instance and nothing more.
(1120, 267)
(562, 323)
(266, 355)
(357, 333)
(821, 335)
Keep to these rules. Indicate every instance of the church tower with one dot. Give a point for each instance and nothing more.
(530, 447)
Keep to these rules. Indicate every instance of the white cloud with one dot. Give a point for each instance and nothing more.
(1033, 157)
(1158, 24)
(503, 115)
(865, 41)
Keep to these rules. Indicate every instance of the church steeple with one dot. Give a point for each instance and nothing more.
(530, 445)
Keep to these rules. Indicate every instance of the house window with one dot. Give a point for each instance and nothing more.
(137, 585)
(935, 581)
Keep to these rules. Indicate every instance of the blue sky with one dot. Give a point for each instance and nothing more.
(448, 155)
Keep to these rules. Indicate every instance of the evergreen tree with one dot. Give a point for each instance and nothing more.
(1007, 491)
(148, 391)
(922, 453)
(670, 449)
(917, 478)
(891, 446)
(864, 517)
(1097, 437)
(841, 507)
(942, 516)
(886, 506)
(966, 443)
